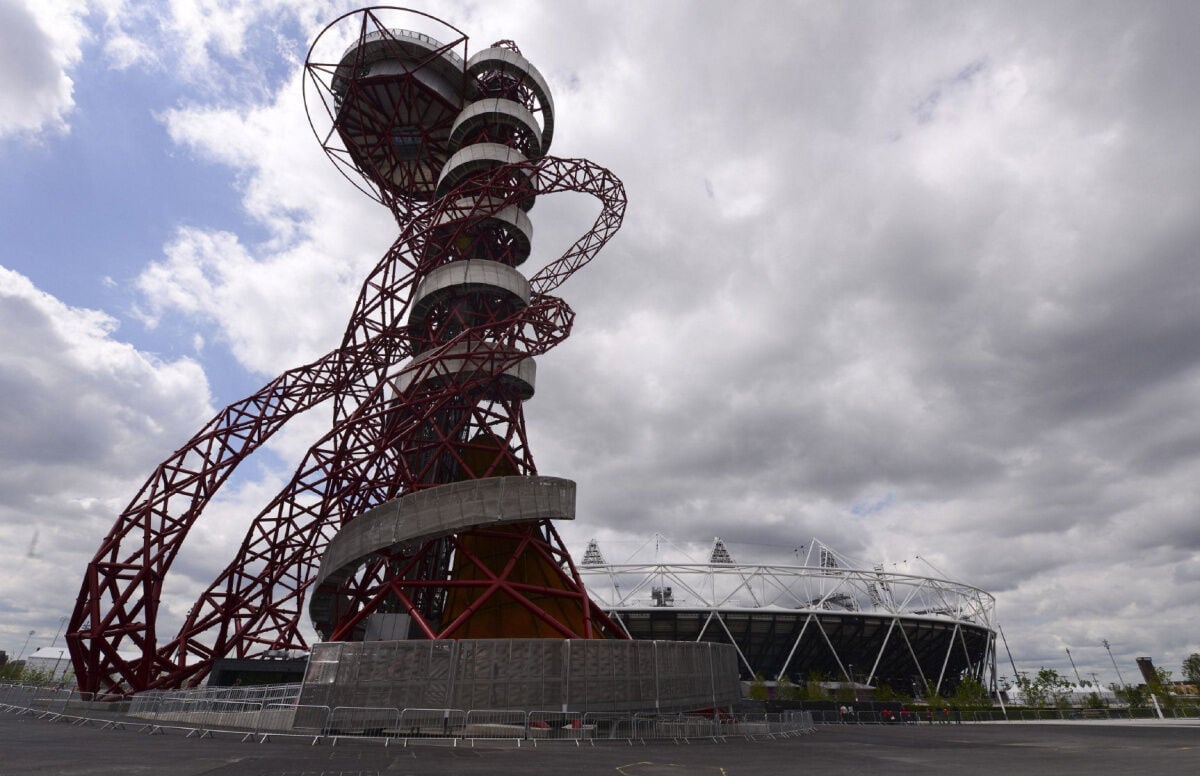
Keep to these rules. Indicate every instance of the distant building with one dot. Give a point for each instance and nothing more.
(54, 662)
(1146, 666)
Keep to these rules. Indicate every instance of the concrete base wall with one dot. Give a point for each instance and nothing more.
(524, 674)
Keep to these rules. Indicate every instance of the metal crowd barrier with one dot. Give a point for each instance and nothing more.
(920, 717)
(364, 721)
(263, 712)
(497, 723)
(274, 710)
(264, 719)
(43, 699)
(568, 725)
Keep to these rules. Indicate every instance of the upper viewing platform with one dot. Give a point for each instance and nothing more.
(401, 103)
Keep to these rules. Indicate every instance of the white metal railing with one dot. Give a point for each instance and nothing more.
(432, 43)
(203, 699)
(43, 698)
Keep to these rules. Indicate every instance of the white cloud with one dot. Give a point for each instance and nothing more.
(86, 417)
(39, 43)
(284, 300)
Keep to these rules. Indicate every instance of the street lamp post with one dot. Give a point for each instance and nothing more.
(61, 623)
(57, 660)
(23, 646)
(1114, 662)
(1078, 681)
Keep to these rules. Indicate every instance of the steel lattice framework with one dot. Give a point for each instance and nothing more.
(915, 633)
(426, 387)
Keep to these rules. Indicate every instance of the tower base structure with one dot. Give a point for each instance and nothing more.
(569, 675)
(388, 573)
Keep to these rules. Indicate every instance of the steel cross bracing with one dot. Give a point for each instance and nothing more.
(402, 418)
(793, 587)
(818, 595)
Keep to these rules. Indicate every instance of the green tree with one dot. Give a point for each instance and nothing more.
(1047, 688)
(21, 673)
(785, 689)
(758, 688)
(970, 692)
(1191, 668)
(884, 693)
(1133, 697)
(1030, 691)
(1160, 687)
(814, 690)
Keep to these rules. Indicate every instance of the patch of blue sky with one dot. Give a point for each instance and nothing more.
(272, 54)
(863, 508)
(84, 213)
(101, 201)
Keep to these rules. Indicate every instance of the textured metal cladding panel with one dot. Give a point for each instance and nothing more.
(643, 671)
(433, 690)
(346, 687)
(683, 679)
(531, 673)
(504, 681)
(521, 673)
(550, 678)
(728, 670)
(463, 669)
(480, 672)
(577, 674)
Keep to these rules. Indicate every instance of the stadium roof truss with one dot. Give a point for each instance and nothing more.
(862, 626)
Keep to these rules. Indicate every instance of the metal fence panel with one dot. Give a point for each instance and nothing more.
(674, 726)
(495, 724)
(610, 725)
(311, 719)
(19, 695)
(432, 723)
(233, 714)
(362, 720)
(559, 724)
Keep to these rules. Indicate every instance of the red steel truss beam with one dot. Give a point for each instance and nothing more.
(256, 602)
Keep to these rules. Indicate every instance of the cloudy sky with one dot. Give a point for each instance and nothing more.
(920, 280)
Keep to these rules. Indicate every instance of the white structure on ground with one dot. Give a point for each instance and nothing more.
(54, 662)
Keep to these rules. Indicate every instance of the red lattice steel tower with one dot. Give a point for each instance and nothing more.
(420, 514)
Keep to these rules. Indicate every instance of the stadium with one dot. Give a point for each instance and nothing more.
(828, 617)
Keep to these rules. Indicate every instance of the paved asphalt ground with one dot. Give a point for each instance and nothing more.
(32, 746)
